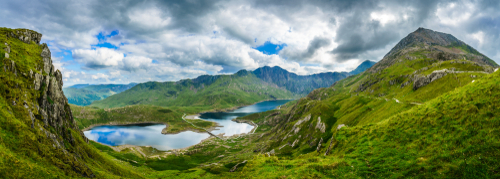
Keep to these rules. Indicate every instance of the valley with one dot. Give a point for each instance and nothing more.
(428, 109)
(85, 94)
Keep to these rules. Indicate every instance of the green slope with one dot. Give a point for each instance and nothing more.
(38, 136)
(202, 93)
(446, 128)
(452, 136)
(84, 95)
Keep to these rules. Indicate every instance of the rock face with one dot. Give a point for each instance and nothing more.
(420, 81)
(296, 127)
(39, 89)
(320, 126)
(26, 36)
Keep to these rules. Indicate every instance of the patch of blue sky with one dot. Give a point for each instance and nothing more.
(269, 48)
(102, 37)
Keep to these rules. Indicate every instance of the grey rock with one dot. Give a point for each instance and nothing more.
(340, 126)
(421, 81)
(329, 147)
(296, 142)
(7, 55)
(236, 166)
(27, 36)
(296, 127)
(47, 62)
(319, 144)
(7, 49)
(38, 81)
(320, 126)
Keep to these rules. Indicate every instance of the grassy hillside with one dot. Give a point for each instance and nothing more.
(203, 93)
(84, 95)
(226, 91)
(38, 136)
(451, 136)
(88, 116)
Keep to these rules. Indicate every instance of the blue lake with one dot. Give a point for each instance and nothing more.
(150, 134)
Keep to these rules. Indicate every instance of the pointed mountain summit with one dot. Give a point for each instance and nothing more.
(362, 67)
(437, 45)
(422, 63)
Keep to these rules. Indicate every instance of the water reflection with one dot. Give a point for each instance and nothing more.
(150, 134)
(230, 127)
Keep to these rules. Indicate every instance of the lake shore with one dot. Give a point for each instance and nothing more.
(197, 117)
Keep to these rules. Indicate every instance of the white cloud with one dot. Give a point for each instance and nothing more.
(189, 38)
(99, 58)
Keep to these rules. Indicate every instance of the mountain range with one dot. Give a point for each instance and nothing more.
(85, 94)
(225, 91)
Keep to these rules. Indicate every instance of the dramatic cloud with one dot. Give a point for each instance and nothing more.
(104, 41)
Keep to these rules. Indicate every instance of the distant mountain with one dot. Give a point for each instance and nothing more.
(78, 86)
(224, 91)
(298, 84)
(362, 67)
(85, 94)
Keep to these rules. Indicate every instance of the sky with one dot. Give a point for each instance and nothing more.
(119, 42)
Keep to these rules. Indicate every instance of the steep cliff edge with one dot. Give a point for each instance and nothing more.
(38, 135)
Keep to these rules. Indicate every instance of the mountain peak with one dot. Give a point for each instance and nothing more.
(426, 37)
(426, 43)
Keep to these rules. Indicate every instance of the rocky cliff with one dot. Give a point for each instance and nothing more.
(32, 92)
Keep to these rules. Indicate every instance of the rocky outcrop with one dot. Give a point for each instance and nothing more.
(26, 36)
(319, 144)
(47, 62)
(340, 126)
(320, 126)
(421, 81)
(39, 90)
(236, 166)
(296, 127)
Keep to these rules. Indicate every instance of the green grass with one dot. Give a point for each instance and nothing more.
(227, 91)
(28, 152)
(91, 116)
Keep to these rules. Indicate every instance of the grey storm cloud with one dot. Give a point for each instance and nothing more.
(313, 46)
(352, 31)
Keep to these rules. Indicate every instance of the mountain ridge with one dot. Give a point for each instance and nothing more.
(85, 94)
(285, 85)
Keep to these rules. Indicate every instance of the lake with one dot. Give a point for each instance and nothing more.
(150, 134)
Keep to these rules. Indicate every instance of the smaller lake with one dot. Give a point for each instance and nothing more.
(150, 134)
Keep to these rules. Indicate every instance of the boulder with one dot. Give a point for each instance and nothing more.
(340, 126)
